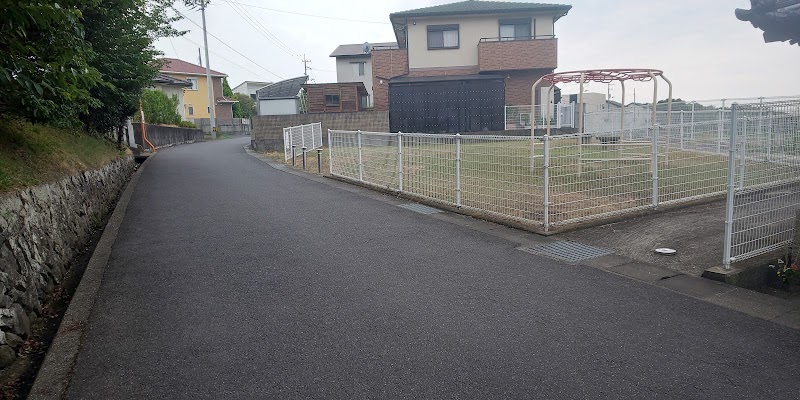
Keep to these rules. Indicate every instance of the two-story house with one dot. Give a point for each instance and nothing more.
(354, 64)
(457, 65)
(195, 97)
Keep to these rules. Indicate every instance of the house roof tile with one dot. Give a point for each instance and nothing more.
(177, 66)
(282, 89)
(358, 49)
(480, 7)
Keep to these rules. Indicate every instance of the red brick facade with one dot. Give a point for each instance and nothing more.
(518, 55)
(386, 64)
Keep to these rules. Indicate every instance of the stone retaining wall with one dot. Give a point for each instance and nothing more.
(42, 229)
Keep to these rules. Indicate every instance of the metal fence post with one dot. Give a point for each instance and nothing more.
(360, 160)
(720, 127)
(293, 155)
(742, 152)
(319, 161)
(330, 153)
(400, 161)
(682, 130)
(546, 186)
(304, 157)
(692, 123)
(458, 170)
(726, 260)
(654, 165)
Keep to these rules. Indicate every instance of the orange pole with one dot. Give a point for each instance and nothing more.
(144, 128)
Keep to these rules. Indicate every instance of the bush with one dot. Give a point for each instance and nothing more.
(187, 124)
(160, 108)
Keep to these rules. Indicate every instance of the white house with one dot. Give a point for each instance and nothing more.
(173, 87)
(250, 88)
(354, 63)
(280, 98)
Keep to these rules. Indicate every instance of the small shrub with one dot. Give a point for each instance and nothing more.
(187, 124)
(788, 270)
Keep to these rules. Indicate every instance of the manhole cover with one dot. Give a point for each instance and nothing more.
(420, 208)
(567, 251)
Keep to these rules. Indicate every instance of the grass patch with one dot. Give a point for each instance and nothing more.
(31, 154)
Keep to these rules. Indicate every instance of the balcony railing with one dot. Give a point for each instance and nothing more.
(507, 53)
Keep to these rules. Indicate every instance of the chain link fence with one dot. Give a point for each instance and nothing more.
(308, 137)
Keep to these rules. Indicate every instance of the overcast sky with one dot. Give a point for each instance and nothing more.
(700, 45)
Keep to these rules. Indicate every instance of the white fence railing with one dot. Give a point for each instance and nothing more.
(302, 137)
(520, 117)
(763, 184)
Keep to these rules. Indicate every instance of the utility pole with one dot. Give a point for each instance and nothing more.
(208, 75)
(305, 65)
(199, 57)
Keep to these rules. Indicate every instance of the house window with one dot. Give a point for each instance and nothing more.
(515, 29)
(190, 109)
(331, 100)
(194, 83)
(359, 68)
(364, 101)
(442, 37)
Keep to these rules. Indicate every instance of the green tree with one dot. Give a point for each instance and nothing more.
(226, 88)
(159, 108)
(121, 33)
(45, 73)
(245, 108)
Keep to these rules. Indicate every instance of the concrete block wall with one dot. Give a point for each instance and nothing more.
(267, 134)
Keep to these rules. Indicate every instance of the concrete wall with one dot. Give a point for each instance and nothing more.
(344, 72)
(471, 31)
(42, 229)
(278, 107)
(267, 132)
(161, 135)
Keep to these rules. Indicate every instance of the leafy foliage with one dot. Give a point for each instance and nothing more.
(245, 108)
(226, 88)
(159, 108)
(79, 61)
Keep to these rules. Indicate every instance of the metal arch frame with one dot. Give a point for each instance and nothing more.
(601, 76)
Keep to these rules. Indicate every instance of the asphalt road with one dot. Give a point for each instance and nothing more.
(230, 279)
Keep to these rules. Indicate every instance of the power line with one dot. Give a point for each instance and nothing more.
(260, 28)
(311, 15)
(220, 56)
(227, 45)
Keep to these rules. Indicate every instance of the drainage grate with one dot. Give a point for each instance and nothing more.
(567, 251)
(420, 208)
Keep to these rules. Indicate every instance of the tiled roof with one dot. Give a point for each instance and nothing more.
(282, 89)
(167, 80)
(358, 49)
(223, 99)
(480, 7)
(182, 67)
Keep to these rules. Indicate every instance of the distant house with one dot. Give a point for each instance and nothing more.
(250, 87)
(457, 65)
(280, 98)
(196, 96)
(173, 87)
(354, 64)
(336, 97)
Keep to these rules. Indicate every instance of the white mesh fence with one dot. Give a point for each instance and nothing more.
(308, 136)
(520, 117)
(763, 180)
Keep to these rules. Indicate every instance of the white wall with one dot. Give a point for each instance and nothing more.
(278, 107)
(344, 72)
(471, 31)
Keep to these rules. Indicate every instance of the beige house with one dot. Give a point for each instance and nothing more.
(173, 87)
(514, 40)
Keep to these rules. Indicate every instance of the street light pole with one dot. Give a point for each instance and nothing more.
(209, 84)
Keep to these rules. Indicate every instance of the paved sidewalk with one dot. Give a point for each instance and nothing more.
(230, 279)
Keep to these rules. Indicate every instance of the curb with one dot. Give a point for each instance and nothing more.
(54, 375)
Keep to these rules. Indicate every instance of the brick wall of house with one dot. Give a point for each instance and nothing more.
(224, 111)
(267, 132)
(386, 64)
(473, 70)
(519, 84)
(518, 54)
(348, 97)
